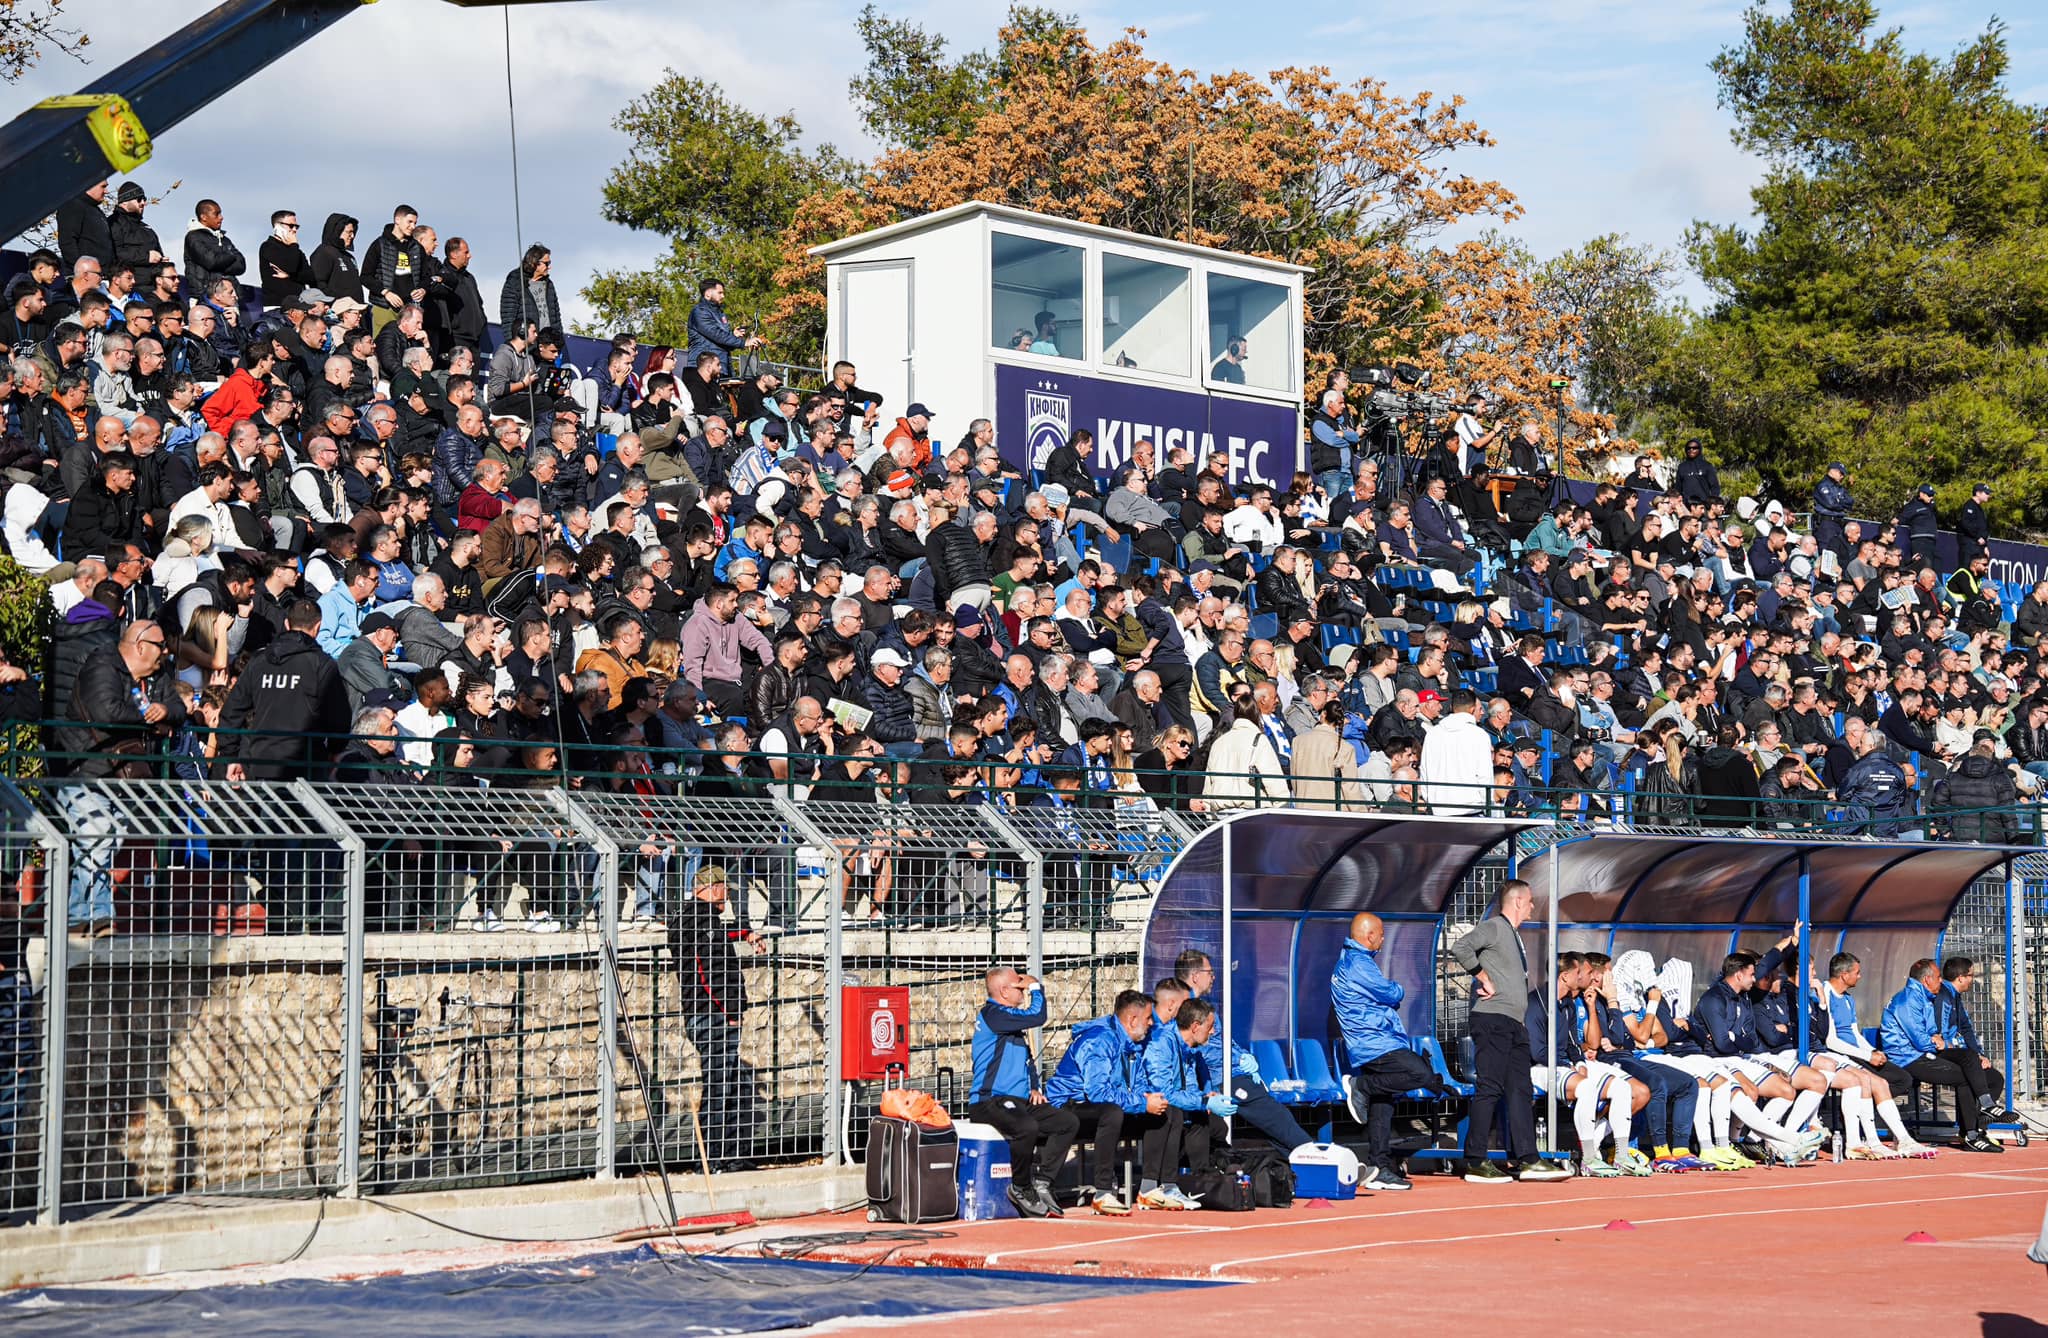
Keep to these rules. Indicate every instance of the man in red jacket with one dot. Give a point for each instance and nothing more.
(241, 395)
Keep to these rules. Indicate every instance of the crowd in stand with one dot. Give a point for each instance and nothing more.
(306, 514)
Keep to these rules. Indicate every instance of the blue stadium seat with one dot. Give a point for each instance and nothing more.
(1271, 1057)
(1266, 625)
(1334, 636)
(1312, 1066)
(1427, 1047)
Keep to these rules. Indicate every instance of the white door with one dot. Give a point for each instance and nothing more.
(875, 330)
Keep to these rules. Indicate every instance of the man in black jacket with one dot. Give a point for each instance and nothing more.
(1068, 466)
(1979, 797)
(285, 709)
(455, 307)
(105, 513)
(395, 268)
(125, 703)
(713, 997)
(82, 229)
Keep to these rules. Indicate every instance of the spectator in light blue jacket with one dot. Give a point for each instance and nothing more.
(1101, 1079)
(1384, 1068)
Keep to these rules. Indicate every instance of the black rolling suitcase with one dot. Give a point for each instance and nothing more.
(913, 1172)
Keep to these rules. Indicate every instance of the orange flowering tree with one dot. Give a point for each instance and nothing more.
(1352, 180)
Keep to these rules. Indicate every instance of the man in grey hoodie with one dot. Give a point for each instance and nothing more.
(1492, 952)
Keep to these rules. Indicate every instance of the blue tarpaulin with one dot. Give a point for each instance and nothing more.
(622, 1295)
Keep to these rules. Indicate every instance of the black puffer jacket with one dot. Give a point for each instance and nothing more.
(104, 702)
(210, 255)
(1981, 796)
(895, 718)
(279, 718)
(380, 267)
(771, 692)
(88, 628)
(957, 560)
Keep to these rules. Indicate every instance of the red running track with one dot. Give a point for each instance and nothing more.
(1709, 1254)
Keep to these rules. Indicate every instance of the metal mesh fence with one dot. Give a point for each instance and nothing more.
(722, 1045)
(35, 870)
(202, 981)
(1978, 930)
(484, 917)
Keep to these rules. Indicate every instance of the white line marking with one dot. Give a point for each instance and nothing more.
(1601, 1226)
(1761, 1186)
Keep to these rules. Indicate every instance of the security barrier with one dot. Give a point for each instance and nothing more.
(267, 989)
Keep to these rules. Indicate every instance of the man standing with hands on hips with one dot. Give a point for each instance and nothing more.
(1492, 952)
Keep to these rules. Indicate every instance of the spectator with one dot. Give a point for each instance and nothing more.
(1325, 766)
(394, 270)
(285, 271)
(333, 262)
(707, 947)
(529, 293)
(83, 232)
(1978, 800)
(1457, 759)
(209, 253)
(710, 331)
(135, 242)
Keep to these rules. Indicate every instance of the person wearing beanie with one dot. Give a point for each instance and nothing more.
(135, 242)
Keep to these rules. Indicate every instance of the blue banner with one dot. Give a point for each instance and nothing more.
(1037, 408)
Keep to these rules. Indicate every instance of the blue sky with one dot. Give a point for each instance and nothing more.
(1604, 109)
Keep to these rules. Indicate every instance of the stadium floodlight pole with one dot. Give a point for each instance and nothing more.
(1550, 1060)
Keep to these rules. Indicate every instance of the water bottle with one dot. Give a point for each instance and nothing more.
(1838, 1147)
(1244, 1185)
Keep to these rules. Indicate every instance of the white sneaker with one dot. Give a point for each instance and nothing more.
(540, 922)
(1182, 1199)
(489, 923)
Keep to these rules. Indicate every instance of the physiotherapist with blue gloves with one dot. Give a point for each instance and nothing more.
(1195, 1110)
(1247, 1085)
(1368, 1007)
(1101, 1079)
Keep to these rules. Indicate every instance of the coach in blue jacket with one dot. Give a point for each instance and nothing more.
(1101, 1079)
(1008, 1095)
(1385, 1069)
(1918, 1047)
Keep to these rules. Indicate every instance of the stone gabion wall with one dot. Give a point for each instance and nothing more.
(202, 1073)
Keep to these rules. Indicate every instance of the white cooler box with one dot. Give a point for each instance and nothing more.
(1324, 1171)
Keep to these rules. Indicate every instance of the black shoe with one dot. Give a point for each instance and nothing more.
(1487, 1172)
(1025, 1201)
(2002, 1115)
(1355, 1101)
(1980, 1142)
(1052, 1205)
(1387, 1179)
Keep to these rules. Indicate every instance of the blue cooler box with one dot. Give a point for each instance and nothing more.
(984, 1173)
(1324, 1171)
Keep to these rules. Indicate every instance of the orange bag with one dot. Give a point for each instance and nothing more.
(918, 1107)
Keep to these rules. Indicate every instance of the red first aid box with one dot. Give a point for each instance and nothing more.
(874, 1031)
